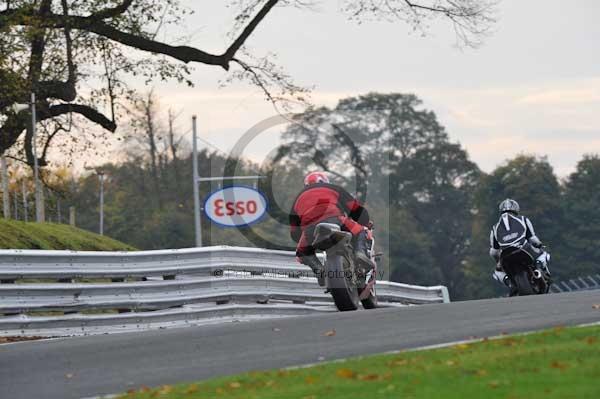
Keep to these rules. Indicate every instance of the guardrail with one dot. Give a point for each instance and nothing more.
(577, 284)
(58, 293)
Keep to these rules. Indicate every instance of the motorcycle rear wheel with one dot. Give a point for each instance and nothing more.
(343, 291)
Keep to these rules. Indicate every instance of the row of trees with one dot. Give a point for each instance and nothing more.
(439, 204)
(432, 205)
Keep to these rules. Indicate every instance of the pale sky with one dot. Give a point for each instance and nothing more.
(533, 86)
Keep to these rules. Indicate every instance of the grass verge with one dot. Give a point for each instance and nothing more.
(21, 235)
(558, 363)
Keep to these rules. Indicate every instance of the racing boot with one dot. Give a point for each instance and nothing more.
(317, 267)
(512, 287)
(360, 251)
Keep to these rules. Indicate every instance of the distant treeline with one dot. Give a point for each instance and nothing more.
(433, 207)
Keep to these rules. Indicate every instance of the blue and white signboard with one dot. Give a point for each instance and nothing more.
(235, 206)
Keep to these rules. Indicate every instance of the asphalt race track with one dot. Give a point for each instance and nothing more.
(91, 366)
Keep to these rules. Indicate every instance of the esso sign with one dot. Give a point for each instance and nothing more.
(235, 206)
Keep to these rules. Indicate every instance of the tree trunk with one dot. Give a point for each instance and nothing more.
(151, 135)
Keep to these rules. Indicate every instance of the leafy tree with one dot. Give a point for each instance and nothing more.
(53, 48)
(581, 229)
(145, 135)
(408, 169)
(411, 256)
(437, 188)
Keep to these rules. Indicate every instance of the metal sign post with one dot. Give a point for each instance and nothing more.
(5, 192)
(198, 180)
(101, 179)
(39, 192)
(197, 221)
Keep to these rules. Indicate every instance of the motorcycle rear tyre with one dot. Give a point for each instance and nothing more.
(344, 293)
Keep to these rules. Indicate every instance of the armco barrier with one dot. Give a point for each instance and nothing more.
(577, 284)
(57, 293)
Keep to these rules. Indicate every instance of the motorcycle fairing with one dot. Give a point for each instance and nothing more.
(328, 235)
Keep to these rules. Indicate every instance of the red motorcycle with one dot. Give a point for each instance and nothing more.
(347, 280)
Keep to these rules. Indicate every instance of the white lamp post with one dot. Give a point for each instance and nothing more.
(101, 178)
(39, 202)
(197, 215)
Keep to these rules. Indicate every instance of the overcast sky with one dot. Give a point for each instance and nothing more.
(533, 86)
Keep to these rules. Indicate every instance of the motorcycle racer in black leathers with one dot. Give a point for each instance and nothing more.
(513, 230)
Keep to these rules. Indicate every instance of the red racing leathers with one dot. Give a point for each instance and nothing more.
(324, 202)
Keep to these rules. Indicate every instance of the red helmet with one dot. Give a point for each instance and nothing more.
(315, 177)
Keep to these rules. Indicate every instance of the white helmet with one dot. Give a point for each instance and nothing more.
(509, 205)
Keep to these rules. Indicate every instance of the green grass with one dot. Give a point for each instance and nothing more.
(559, 363)
(21, 235)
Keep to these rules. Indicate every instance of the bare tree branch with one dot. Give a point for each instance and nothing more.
(239, 42)
(84, 110)
(95, 24)
(112, 12)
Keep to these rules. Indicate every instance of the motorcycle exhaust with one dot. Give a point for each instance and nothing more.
(537, 274)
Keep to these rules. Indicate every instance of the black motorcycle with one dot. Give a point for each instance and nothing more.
(525, 275)
(347, 280)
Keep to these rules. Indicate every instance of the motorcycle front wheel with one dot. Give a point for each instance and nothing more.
(523, 284)
(341, 287)
(370, 302)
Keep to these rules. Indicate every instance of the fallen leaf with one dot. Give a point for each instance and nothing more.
(450, 363)
(276, 329)
(219, 391)
(309, 397)
(596, 306)
(69, 375)
(345, 373)
(165, 390)
(398, 362)
(511, 341)
(389, 388)
(18, 339)
(192, 389)
(591, 340)
(481, 372)
(461, 346)
(235, 385)
(330, 333)
(269, 383)
(559, 365)
(558, 330)
(310, 380)
(493, 384)
(369, 377)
